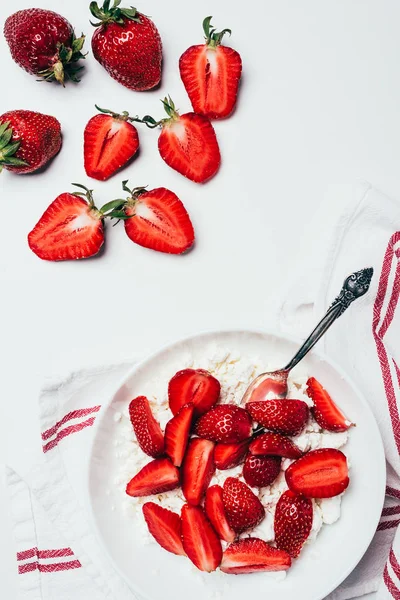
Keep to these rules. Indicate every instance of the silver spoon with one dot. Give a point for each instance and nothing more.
(355, 286)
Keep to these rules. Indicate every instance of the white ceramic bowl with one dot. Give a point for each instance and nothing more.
(154, 573)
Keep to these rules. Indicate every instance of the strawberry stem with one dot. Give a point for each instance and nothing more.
(172, 112)
(116, 208)
(66, 67)
(213, 37)
(9, 148)
(112, 14)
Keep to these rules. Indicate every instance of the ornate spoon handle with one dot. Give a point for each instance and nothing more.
(355, 286)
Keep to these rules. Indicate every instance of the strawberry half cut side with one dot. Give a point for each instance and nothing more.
(252, 555)
(292, 522)
(199, 539)
(197, 469)
(157, 477)
(147, 430)
(326, 413)
(211, 73)
(321, 473)
(215, 511)
(227, 456)
(177, 434)
(110, 141)
(165, 526)
(196, 386)
(274, 444)
(70, 228)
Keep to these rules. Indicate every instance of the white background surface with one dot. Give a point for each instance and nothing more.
(319, 105)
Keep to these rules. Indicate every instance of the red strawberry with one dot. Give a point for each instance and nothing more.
(251, 555)
(165, 526)
(287, 417)
(147, 430)
(215, 511)
(243, 509)
(293, 522)
(225, 423)
(197, 470)
(196, 386)
(70, 228)
(259, 471)
(110, 141)
(211, 74)
(326, 413)
(177, 434)
(127, 44)
(156, 477)
(187, 143)
(199, 539)
(156, 219)
(28, 140)
(319, 474)
(43, 43)
(227, 456)
(274, 444)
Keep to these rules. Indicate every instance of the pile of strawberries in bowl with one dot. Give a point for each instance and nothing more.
(128, 45)
(203, 435)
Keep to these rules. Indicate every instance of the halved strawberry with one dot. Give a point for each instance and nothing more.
(147, 430)
(287, 417)
(187, 143)
(211, 74)
(197, 469)
(251, 555)
(193, 385)
(158, 476)
(70, 228)
(274, 444)
(199, 539)
(320, 473)
(293, 522)
(215, 511)
(227, 456)
(243, 509)
(326, 413)
(225, 423)
(177, 434)
(165, 526)
(259, 471)
(110, 141)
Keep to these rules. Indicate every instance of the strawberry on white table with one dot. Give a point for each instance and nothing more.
(252, 555)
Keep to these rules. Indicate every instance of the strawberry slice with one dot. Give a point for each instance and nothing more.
(199, 539)
(320, 473)
(227, 456)
(155, 219)
(110, 141)
(287, 417)
(215, 511)
(274, 444)
(326, 413)
(211, 74)
(177, 434)
(225, 423)
(197, 469)
(147, 430)
(187, 143)
(243, 509)
(251, 555)
(159, 476)
(70, 228)
(259, 471)
(293, 522)
(165, 526)
(193, 385)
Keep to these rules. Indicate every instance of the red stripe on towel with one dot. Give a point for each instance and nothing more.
(394, 563)
(391, 510)
(67, 431)
(75, 414)
(62, 566)
(393, 590)
(388, 525)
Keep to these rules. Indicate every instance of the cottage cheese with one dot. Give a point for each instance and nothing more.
(234, 373)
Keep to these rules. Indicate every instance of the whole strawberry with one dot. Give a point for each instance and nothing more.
(28, 140)
(43, 43)
(127, 44)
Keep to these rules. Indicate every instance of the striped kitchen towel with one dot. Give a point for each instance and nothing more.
(58, 556)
